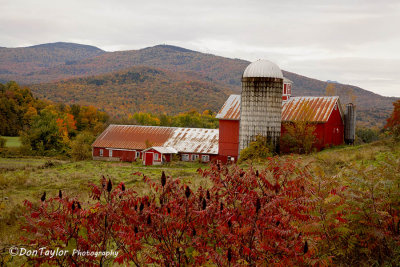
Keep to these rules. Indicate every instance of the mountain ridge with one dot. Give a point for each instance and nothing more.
(224, 72)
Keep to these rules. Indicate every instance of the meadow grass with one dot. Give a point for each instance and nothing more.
(12, 141)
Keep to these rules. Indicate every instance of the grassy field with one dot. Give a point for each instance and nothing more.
(12, 141)
(28, 178)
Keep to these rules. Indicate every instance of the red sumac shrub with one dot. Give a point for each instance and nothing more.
(248, 217)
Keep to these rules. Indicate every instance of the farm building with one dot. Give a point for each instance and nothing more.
(155, 145)
(325, 112)
(265, 108)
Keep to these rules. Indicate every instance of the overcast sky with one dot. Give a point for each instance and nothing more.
(349, 41)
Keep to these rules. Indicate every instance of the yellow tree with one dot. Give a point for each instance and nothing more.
(300, 134)
(330, 90)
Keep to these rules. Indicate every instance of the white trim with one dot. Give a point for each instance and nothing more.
(101, 153)
(120, 149)
(194, 157)
(162, 150)
(185, 155)
(110, 153)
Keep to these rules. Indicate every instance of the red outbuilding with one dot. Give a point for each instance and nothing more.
(155, 144)
(158, 155)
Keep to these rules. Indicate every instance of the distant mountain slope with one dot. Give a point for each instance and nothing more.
(23, 63)
(224, 72)
(219, 69)
(138, 89)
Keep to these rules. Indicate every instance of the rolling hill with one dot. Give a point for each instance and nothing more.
(224, 73)
(22, 64)
(138, 89)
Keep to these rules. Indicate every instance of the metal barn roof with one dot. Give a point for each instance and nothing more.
(194, 140)
(286, 80)
(189, 140)
(263, 68)
(231, 109)
(313, 109)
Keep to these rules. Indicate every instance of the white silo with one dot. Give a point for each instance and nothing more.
(261, 103)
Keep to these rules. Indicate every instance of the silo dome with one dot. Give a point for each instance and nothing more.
(263, 68)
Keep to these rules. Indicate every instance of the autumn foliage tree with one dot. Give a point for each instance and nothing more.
(244, 218)
(393, 122)
(257, 150)
(299, 135)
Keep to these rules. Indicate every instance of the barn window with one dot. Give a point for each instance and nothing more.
(110, 153)
(195, 157)
(185, 157)
(205, 158)
(101, 152)
(155, 156)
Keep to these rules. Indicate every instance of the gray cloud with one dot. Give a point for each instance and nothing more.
(352, 41)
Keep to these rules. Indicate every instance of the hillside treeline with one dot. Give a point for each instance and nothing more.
(191, 119)
(19, 110)
(47, 128)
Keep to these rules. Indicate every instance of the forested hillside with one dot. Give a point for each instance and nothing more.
(138, 89)
(23, 64)
(54, 62)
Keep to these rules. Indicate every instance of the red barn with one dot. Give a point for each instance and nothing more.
(130, 142)
(325, 112)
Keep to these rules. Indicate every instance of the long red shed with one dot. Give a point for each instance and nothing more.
(128, 142)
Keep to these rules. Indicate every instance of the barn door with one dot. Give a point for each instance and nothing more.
(148, 158)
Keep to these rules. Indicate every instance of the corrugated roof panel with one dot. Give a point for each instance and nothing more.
(133, 136)
(313, 109)
(195, 140)
(190, 140)
(231, 109)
